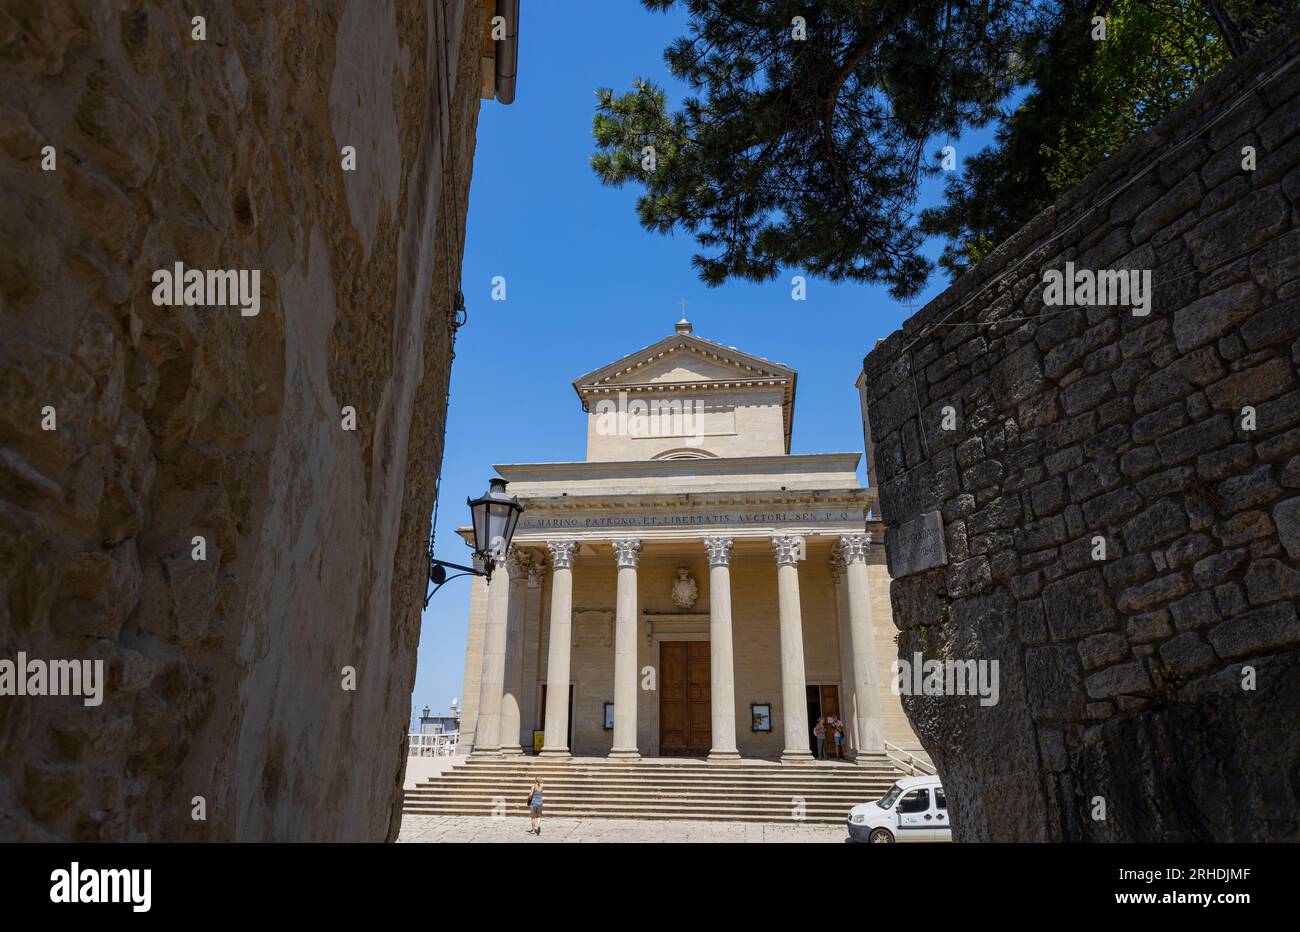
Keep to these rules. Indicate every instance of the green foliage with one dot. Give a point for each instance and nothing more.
(1089, 99)
(807, 153)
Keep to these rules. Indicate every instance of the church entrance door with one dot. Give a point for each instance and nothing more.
(684, 699)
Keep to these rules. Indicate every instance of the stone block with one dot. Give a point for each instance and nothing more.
(1121, 679)
(1256, 631)
(1197, 610)
(1162, 521)
(1102, 649)
(1146, 595)
(1044, 533)
(1187, 653)
(1053, 683)
(917, 545)
(1195, 439)
(1149, 626)
(1286, 516)
(1077, 606)
(1271, 580)
(1212, 316)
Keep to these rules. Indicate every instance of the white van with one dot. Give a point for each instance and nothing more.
(914, 809)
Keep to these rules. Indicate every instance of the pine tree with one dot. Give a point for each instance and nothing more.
(808, 126)
(806, 151)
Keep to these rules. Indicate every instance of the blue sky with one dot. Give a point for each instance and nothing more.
(587, 285)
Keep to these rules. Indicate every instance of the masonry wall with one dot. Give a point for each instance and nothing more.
(1162, 681)
(225, 674)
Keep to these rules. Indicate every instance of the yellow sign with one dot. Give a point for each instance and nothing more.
(539, 738)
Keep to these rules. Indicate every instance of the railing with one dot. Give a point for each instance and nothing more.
(421, 745)
(907, 761)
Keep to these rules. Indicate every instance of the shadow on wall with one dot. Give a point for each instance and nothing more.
(180, 523)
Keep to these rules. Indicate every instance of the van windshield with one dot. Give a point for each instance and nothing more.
(888, 799)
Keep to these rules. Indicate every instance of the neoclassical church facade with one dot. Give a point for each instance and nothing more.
(690, 589)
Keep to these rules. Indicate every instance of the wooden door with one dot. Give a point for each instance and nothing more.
(685, 704)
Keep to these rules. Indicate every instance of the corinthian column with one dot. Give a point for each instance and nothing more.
(487, 732)
(627, 552)
(722, 684)
(556, 743)
(794, 689)
(517, 563)
(868, 728)
(846, 646)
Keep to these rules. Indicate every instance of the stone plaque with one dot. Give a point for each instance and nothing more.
(917, 545)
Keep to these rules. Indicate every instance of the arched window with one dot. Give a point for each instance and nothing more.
(686, 453)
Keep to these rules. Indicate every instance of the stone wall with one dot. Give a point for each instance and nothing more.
(225, 674)
(1124, 680)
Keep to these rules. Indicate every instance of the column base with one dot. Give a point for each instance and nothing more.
(724, 757)
(797, 757)
(868, 757)
(556, 754)
(512, 750)
(629, 755)
(485, 754)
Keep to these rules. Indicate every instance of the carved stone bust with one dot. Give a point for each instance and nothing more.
(685, 592)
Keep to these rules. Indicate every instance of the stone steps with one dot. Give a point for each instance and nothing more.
(655, 788)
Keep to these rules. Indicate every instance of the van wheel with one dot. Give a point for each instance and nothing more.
(880, 836)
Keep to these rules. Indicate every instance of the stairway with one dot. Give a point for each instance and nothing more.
(655, 788)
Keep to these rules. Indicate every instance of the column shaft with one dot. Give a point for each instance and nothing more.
(532, 648)
(627, 553)
(846, 649)
(556, 743)
(794, 688)
(722, 685)
(512, 692)
(867, 723)
(487, 732)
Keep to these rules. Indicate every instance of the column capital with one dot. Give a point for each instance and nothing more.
(518, 562)
(719, 550)
(627, 552)
(836, 563)
(537, 571)
(853, 547)
(562, 552)
(789, 549)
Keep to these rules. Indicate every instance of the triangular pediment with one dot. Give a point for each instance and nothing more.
(684, 358)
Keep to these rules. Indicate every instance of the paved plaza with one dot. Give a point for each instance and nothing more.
(417, 828)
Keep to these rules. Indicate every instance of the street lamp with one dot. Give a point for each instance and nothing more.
(493, 516)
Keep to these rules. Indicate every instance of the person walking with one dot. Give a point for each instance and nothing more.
(819, 732)
(535, 807)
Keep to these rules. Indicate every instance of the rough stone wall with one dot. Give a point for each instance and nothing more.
(225, 674)
(1121, 679)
